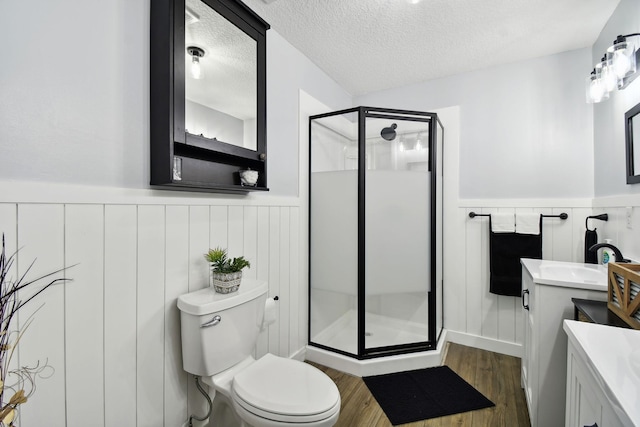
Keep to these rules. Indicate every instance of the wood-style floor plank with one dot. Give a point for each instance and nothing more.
(497, 376)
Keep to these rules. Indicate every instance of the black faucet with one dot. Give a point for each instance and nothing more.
(616, 251)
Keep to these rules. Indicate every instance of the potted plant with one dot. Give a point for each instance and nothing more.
(226, 273)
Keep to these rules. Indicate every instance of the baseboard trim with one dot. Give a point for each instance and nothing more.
(484, 343)
(300, 355)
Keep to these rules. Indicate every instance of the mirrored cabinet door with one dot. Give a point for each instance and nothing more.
(632, 142)
(208, 96)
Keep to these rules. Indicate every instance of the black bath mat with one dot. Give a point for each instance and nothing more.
(417, 395)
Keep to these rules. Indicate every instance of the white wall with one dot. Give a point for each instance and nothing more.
(75, 95)
(75, 92)
(522, 126)
(288, 70)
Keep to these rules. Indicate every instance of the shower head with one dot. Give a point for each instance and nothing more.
(389, 133)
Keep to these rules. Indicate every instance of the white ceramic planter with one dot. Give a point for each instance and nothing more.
(225, 283)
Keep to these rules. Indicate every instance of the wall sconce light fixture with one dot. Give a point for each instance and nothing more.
(196, 68)
(616, 69)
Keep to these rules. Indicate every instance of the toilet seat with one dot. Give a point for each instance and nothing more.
(285, 390)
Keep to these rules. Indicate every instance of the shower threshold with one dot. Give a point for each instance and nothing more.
(380, 331)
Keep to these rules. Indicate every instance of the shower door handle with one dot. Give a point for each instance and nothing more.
(525, 292)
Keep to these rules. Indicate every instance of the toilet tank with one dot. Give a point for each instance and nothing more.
(220, 330)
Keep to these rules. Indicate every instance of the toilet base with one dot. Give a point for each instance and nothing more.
(263, 422)
(223, 414)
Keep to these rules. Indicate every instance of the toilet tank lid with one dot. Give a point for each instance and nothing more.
(207, 301)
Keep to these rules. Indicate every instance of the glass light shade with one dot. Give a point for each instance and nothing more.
(623, 59)
(608, 75)
(196, 68)
(596, 90)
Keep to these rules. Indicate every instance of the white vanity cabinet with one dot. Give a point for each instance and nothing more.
(586, 404)
(603, 376)
(548, 287)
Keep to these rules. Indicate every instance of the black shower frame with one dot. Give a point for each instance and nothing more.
(393, 114)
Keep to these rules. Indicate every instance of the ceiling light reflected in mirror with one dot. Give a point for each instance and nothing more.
(222, 77)
(196, 69)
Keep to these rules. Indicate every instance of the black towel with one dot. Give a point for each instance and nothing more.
(505, 251)
(590, 239)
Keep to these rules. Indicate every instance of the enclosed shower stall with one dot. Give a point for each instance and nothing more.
(375, 232)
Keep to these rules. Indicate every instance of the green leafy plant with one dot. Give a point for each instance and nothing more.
(20, 383)
(221, 263)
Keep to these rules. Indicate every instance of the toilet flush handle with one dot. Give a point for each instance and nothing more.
(216, 319)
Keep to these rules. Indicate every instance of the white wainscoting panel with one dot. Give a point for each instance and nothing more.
(84, 314)
(41, 238)
(120, 308)
(176, 284)
(471, 311)
(150, 316)
(284, 301)
(295, 328)
(262, 269)
(112, 335)
(274, 275)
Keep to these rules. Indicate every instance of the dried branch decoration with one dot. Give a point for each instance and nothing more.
(18, 383)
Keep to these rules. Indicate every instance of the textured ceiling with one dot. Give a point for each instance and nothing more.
(370, 45)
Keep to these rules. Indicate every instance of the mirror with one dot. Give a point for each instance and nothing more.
(632, 139)
(220, 78)
(208, 96)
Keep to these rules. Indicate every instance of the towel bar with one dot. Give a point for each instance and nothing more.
(561, 216)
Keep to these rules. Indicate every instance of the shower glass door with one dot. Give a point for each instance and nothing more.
(398, 235)
(437, 244)
(333, 232)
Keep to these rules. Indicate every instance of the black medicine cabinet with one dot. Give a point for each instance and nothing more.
(206, 128)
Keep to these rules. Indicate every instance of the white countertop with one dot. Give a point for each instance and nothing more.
(613, 357)
(566, 274)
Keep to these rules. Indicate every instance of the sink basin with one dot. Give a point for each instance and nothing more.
(574, 273)
(566, 274)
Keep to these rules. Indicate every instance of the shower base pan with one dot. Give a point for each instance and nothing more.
(380, 331)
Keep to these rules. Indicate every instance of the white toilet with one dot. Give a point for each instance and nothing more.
(219, 333)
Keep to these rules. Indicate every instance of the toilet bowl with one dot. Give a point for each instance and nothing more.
(273, 392)
(219, 333)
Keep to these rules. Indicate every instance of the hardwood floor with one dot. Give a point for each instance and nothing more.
(495, 375)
